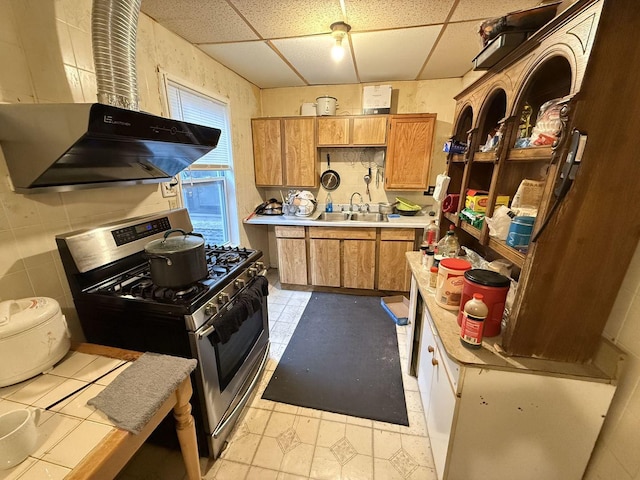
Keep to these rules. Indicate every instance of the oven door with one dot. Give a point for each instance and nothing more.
(228, 373)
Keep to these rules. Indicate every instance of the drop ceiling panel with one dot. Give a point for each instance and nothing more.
(385, 14)
(311, 56)
(199, 21)
(256, 62)
(393, 54)
(456, 49)
(289, 18)
(474, 10)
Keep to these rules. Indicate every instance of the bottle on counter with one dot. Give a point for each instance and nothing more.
(433, 279)
(328, 203)
(475, 312)
(448, 246)
(431, 235)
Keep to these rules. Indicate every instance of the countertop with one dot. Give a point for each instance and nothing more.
(416, 221)
(75, 438)
(603, 368)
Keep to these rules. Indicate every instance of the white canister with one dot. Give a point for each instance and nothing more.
(450, 282)
(326, 105)
(308, 110)
(18, 436)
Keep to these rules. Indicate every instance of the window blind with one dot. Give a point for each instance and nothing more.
(193, 107)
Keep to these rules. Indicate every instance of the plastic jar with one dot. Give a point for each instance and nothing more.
(450, 281)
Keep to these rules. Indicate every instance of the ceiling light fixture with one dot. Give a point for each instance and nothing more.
(338, 31)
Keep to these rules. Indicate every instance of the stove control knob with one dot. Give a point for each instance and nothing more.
(239, 283)
(210, 309)
(253, 271)
(223, 298)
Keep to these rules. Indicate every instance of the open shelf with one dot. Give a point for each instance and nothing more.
(457, 157)
(505, 251)
(470, 229)
(485, 156)
(530, 154)
(450, 216)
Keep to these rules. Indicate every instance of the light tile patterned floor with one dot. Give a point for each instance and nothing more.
(276, 441)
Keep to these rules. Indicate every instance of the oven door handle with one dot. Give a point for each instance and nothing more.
(236, 410)
(206, 332)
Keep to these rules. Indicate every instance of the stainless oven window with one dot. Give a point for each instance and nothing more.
(231, 355)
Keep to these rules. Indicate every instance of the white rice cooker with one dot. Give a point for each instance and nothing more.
(326, 105)
(33, 338)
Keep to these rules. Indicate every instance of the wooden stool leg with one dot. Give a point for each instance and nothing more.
(186, 430)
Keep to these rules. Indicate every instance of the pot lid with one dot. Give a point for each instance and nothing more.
(487, 278)
(455, 264)
(326, 96)
(175, 244)
(16, 316)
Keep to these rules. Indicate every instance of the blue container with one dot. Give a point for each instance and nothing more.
(520, 233)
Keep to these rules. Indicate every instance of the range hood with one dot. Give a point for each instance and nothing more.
(61, 147)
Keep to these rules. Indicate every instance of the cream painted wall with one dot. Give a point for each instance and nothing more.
(45, 54)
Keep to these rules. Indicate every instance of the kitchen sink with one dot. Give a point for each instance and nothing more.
(369, 217)
(334, 216)
(352, 217)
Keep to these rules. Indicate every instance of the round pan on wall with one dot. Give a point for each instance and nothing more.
(330, 179)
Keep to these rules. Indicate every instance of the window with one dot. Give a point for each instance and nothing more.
(208, 184)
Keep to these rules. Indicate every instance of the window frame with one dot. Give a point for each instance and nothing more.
(230, 183)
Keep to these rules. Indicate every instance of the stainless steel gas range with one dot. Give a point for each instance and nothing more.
(221, 321)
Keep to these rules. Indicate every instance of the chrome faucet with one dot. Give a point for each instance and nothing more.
(351, 200)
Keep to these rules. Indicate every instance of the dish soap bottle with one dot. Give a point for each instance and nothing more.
(328, 204)
(431, 236)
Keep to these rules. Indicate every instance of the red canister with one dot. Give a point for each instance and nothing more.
(494, 288)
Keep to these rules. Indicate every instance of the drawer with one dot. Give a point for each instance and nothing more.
(343, 233)
(289, 232)
(397, 234)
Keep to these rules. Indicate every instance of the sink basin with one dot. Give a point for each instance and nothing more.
(334, 216)
(369, 217)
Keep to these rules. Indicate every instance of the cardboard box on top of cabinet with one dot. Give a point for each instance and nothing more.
(376, 99)
(476, 200)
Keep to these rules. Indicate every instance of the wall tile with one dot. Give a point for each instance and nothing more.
(10, 261)
(45, 281)
(77, 13)
(34, 246)
(64, 42)
(15, 285)
(20, 210)
(8, 31)
(629, 338)
(82, 49)
(625, 443)
(16, 79)
(89, 86)
(73, 83)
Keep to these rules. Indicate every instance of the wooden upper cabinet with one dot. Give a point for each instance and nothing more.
(352, 130)
(300, 155)
(267, 151)
(284, 152)
(409, 151)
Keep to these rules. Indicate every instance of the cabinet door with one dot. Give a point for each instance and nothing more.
(393, 269)
(300, 152)
(292, 260)
(409, 152)
(370, 130)
(359, 263)
(267, 151)
(442, 404)
(333, 131)
(324, 256)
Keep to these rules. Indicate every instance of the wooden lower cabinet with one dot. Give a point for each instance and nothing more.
(324, 257)
(292, 255)
(393, 271)
(342, 257)
(345, 257)
(358, 264)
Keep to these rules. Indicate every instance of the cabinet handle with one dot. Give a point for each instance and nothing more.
(434, 362)
(430, 349)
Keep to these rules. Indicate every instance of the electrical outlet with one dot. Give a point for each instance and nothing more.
(169, 189)
(430, 190)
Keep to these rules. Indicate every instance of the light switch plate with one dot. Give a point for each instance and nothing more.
(430, 190)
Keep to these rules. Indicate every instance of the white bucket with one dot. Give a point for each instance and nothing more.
(326, 105)
(450, 282)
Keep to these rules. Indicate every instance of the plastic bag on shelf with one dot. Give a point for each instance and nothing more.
(548, 124)
(500, 222)
(474, 258)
